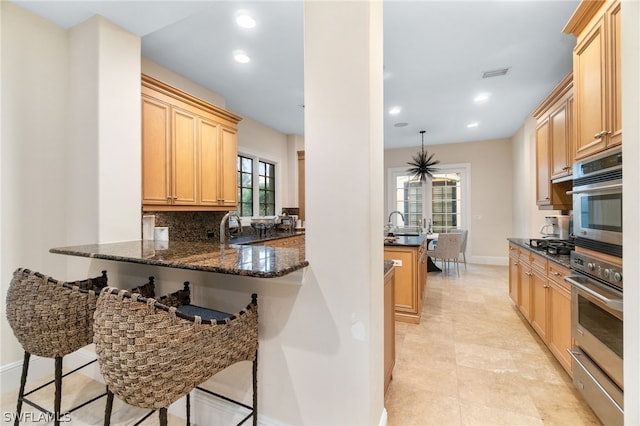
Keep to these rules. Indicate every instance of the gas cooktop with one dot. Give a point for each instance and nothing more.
(552, 246)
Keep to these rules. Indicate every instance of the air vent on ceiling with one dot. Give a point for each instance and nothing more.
(495, 73)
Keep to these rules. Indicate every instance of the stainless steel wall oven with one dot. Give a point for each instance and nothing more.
(597, 203)
(596, 322)
(597, 285)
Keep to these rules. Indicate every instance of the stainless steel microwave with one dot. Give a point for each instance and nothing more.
(597, 198)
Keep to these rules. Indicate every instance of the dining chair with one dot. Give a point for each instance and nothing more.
(463, 246)
(152, 354)
(51, 319)
(447, 250)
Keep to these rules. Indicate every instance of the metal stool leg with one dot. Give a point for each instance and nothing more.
(255, 390)
(163, 417)
(189, 409)
(108, 408)
(58, 395)
(23, 382)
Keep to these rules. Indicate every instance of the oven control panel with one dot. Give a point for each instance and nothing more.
(598, 268)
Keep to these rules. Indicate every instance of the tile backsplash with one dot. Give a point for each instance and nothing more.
(190, 226)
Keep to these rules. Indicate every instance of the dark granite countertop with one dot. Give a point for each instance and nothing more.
(388, 264)
(406, 241)
(235, 259)
(561, 259)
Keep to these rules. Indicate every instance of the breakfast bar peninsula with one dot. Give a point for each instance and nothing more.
(260, 261)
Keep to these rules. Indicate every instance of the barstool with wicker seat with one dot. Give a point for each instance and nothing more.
(152, 354)
(51, 319)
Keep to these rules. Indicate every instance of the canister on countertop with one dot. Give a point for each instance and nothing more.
(148, 225)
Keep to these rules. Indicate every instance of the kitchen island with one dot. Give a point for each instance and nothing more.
(234, 259)
(409, 255)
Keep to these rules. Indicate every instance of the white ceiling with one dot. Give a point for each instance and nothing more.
(434, 53)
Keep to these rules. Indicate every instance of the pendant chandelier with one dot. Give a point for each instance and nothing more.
(422, 164)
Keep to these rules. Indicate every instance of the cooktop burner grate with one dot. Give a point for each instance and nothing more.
(552, 246)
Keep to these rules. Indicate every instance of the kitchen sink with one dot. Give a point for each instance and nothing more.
(408, 230)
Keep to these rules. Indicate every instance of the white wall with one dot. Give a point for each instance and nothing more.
(255, 138)
(343, 286)
(102, 186)
(491, 190)
(631, 160)
(33, 160)
(70, 145)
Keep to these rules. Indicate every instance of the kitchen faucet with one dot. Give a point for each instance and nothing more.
(397, 212)
(223, 229)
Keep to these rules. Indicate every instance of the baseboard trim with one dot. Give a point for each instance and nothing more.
(40, 367)
(489, 260)
(383, 417)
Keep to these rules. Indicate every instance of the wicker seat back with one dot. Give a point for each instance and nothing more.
(52, 318)
(150, 355)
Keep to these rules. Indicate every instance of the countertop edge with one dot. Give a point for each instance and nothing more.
(179, 265)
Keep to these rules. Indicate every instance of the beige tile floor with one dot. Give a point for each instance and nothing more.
(473, 360)
(77, 389)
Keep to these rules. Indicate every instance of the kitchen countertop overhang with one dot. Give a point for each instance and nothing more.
(234, 259)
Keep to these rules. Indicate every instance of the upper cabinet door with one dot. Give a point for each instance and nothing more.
(209, 135)
(184, 157)
(614, 89)
(596, 70)
(156, 146)
(590, 95)
(228, 167)
(560, 143)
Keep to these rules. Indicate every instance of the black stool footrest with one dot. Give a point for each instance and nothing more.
(204, 313)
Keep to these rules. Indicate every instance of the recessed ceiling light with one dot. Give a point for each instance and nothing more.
(244, 20)
(395, 110)
(241, 57)
(472, 125)
(481, 98)
(401, 125)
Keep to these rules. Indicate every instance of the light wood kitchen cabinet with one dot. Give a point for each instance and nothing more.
(410, 280)
(538, 311)
(559, 337)
(189, 151)
(156, 151)
(389, 326)
(597, 79)
(554, 147)
(514, 273)
(544, 299)
(524, 281)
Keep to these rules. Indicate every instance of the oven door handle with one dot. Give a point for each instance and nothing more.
(615, 304)
(599, 188)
